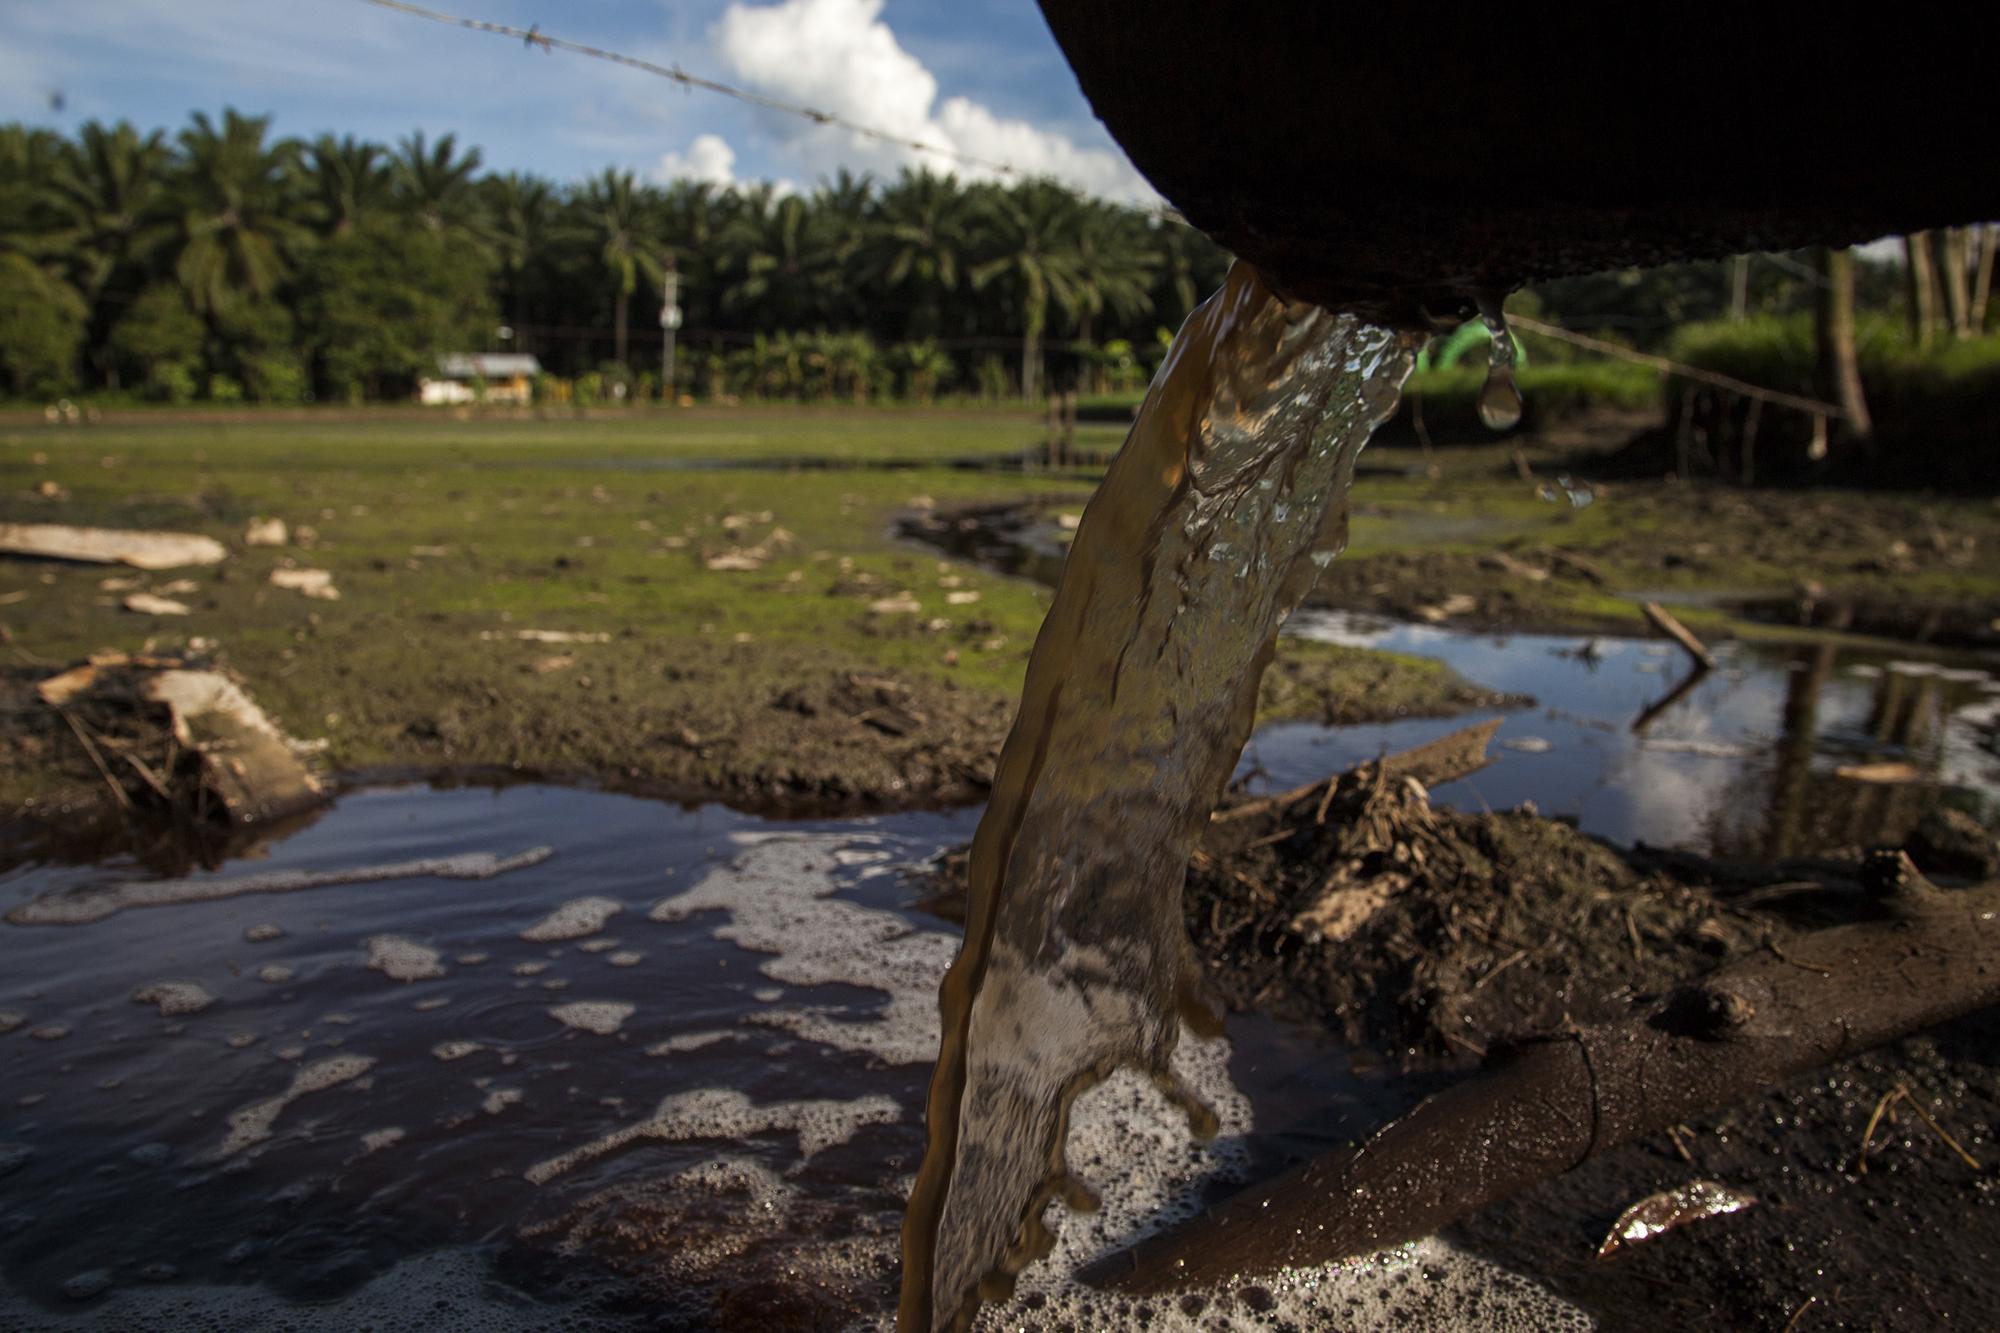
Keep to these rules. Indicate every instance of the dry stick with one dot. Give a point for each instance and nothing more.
(103, 770)
(1937, 1129)
(1800, 1313)
(1550, 1105)
(1868, 1134)
(1679, 633)
(1446, 759)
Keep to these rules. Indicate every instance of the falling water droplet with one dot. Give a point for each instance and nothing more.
(1499, 398)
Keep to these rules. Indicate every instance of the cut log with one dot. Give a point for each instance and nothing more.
(1665, 623)
(1550, 1105)
(109, 546)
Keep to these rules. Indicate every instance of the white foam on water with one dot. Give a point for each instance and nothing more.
(11, 1019)
(1131, 1146)
(275, 974)
(1127, 1141)
(602, 944)
(725, 1113)
(603, 1017)
(500, 1099)
(51, 1032)
(574, 919)
(779, 899)
(455, 1050)
(253, 1124)
(382, 1138)
(626, 958)
(691, 1041)
(261, 933)
(445, 1291)
(175, 997)
(94, 904)
(534, 967)
(403, 959)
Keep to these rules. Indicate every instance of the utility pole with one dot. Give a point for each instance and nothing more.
(670, 320)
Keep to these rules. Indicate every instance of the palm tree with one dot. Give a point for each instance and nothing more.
(1115, 263)
(347, 180)
(924, 227)
(1190, 267)
(237, 221)
(29, 160)
(106, 195)
(1032, 231)
(438, 186)
(615, 219)
(522, 213)
(781, 260)
(843, 211)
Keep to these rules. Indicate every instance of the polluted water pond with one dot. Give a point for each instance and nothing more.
(337, 1146)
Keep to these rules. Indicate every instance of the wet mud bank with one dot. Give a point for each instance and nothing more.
(1424, 944)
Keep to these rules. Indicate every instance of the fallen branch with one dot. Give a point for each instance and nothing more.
(1548, 1106)
(1666, 624)
(1446, 759)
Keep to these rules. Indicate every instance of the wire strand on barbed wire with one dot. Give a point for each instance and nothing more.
(1741, 388)
(533, 36)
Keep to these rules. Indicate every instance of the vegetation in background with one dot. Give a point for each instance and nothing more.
(228, 263)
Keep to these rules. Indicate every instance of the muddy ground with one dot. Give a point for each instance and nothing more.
(1419, 941)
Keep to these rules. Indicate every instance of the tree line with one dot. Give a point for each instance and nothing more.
(224, 262)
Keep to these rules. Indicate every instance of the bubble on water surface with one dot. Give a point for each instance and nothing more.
(175, 997)
(725, 1113)
(253, 1124)
(780, 901)
(403, 959)
(602, 1017)
(574, 920)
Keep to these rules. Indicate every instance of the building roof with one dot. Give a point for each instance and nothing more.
(487, 365)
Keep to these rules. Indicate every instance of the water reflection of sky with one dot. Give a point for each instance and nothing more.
(1713, 771)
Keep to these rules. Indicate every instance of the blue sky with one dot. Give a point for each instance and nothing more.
(984, 76)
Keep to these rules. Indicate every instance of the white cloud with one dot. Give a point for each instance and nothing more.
(708, 159)
(839, 56)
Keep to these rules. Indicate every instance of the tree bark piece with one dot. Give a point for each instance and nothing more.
(1548, 1106)
(1665, 623)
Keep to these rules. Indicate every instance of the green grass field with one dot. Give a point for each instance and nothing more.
(738, 598)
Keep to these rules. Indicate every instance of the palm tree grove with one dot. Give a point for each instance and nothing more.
(228, 263)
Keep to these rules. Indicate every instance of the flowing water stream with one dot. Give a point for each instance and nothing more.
(1225, 503)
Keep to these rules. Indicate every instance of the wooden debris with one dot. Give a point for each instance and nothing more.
(247, 760)
(266, 532)
(1889, 772)
(1659, 1213)
(1450, 757)
(1665, 623)
(314, 583)
(110, 546)
(148, 604)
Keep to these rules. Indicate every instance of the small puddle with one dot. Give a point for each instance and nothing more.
(666, 1073)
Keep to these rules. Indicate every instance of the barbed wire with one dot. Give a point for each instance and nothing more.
(1742, 388)
(533, 36)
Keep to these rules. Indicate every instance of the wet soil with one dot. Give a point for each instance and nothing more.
(1425, 939)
